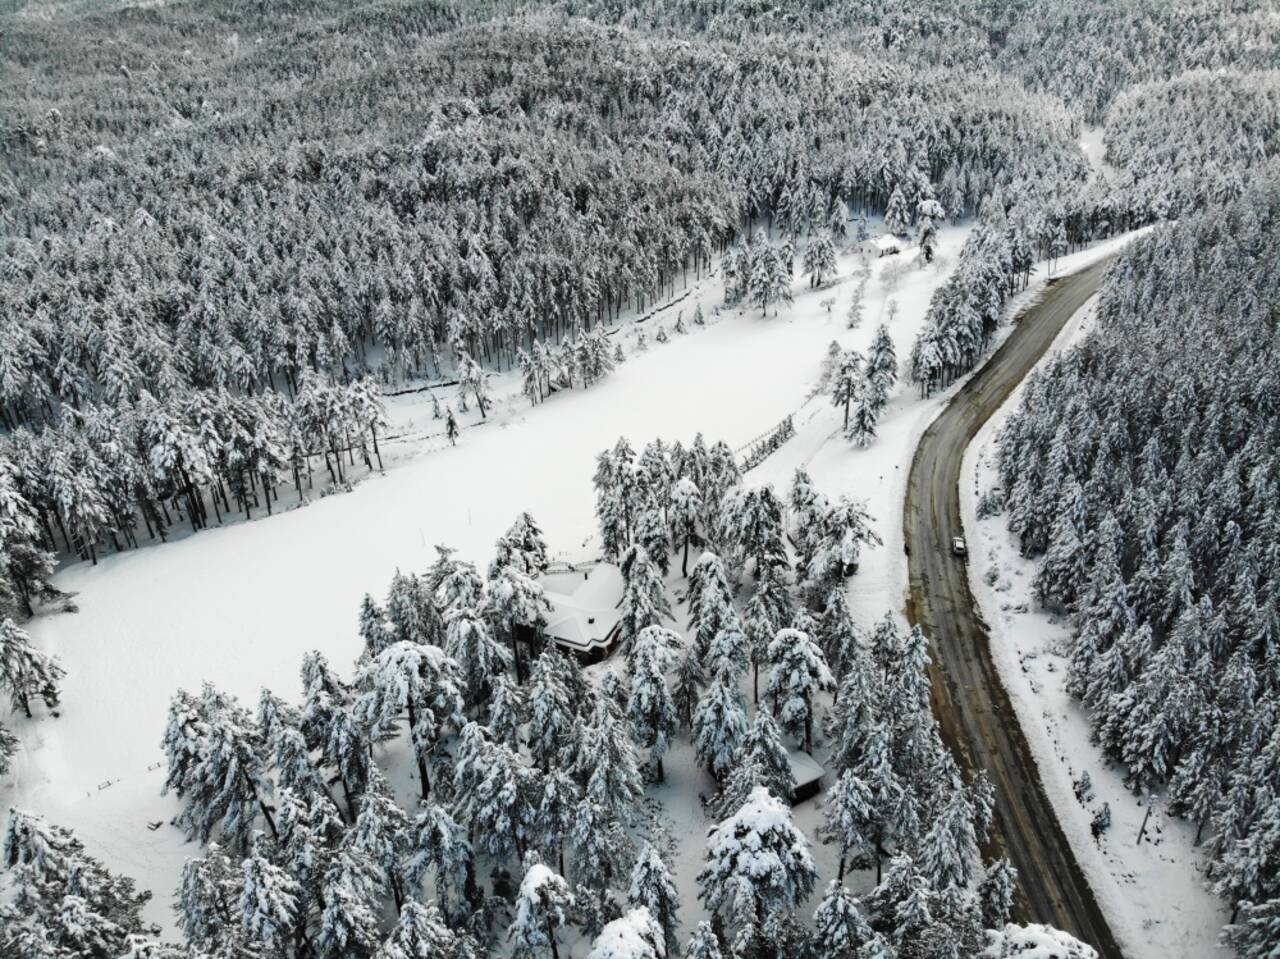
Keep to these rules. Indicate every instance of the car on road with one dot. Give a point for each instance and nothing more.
(959, 547)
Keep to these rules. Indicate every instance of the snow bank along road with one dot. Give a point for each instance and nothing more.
(977, 718)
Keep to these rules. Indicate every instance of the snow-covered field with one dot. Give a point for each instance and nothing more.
(1152, 892)
(238, 606)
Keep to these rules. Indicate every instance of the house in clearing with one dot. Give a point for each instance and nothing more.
(807, 773)
(585, 617)
(886, 245)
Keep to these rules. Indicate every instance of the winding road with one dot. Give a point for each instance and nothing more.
(978, 721)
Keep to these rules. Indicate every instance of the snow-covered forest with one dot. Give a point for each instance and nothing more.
(1146, 474)
(252, 255)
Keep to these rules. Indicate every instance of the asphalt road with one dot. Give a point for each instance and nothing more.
(977, 719)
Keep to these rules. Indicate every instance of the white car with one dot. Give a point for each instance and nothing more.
(958, 546)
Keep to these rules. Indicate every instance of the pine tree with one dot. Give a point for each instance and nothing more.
(349, 920)
(228, 786)
(797, 672)
(703, 943)
(522, 546)
(686, 507)
(420, 681)
(480, 658)
(517, 604)
(473, 379)
(540, 910)
(207, 899)
(719, 727)
(634, 935)
(25, 671)
(650, 709)
(819, 260)
(852, 819)
(763, 746)
(758, 865)
(687, 691)
(847, 383)
(948, 853)
(494, 792)
(438, 843)
(451, 427)
(380, 836)
(897, 215)
(653, 888)
(551, 712)
(840, 930)
(268, 903)
(421, 932)
(644, 599)
(995, 893)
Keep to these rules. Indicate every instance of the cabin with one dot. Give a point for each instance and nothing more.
(886, 245)
(585, 616)
(807, 773)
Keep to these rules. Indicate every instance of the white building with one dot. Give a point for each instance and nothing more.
(585, 614)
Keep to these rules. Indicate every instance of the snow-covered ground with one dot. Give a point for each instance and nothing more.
(1153, 892)
(238, 606)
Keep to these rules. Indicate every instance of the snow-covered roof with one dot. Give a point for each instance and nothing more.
(886, 242)
(584, 605)
(804, 767)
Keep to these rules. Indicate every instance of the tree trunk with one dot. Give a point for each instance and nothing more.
(422, 763)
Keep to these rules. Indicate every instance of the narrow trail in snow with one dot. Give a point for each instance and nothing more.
(978, 721)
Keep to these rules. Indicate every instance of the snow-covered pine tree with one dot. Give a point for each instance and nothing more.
(840, 930)
(995, 893)
(494, 792)
(517, 605)
(420, 682)
(841, 640)
(228, 786)
(25, 671)
(652, 887)
(551, 711)
(522, 546)
(474, 380)
(480, 658)
(757, 866)
(797, 672)
(881, 367)
(763, 746)
(421, 932)
(644, 599)
(269, 896)
(541, 908)
(506, 712)
(437, 843)
(948, 853)
(349, 921)
(719, 727)
(207, 899)
(897, 214)
(650, 709)
(381, 836)
(836, 546)
(633, 935)
(686, 507)
(687, 690)
(703, 943)
(819, 259)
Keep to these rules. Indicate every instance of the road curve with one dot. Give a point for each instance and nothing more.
(978, 722)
